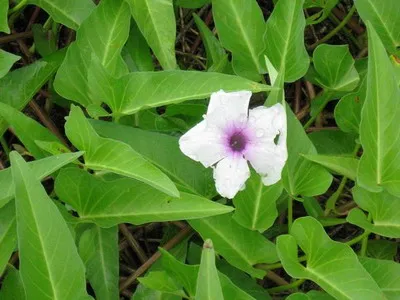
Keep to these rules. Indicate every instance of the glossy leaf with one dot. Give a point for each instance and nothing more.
(41, 168)
(140, 90)
(333, 142)
(156, 21)
(4, 16)
(214, 50)
(8, 234)
(301, 176)
(384, 18)
(335, 68)
(44, 237)
(311, 295)
(18, 87)
(136, 52)
(45, 41)
(241, 247)
(348, 110)
(112, 155)
(12, 287)
(342, 165)
(386, 274)
(27, 130)
(70, 13)
(241, 31)
(285, 46)
(384, 209)
(379, 135)
(6, 62)
(162, 151)
(326, 7)
(345, 280)
(208, 286)
(256, 204)
(108, 203)
(382, 249)
(102, 35)
(160, 281)
(187, 275)
(98, 248)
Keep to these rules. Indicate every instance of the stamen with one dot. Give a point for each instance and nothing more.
(237, 142)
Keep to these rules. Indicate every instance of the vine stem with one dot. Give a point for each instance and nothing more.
(18, 7)
(290, 213)
(336, 29)
(289, 286)
(364, 241)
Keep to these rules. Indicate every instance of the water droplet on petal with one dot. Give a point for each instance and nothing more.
(259, 133)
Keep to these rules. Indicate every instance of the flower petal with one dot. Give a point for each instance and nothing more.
(202, 144)
(230, 176)
(266, 155)
(225, 108)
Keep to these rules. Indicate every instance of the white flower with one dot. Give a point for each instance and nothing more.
(230, 135)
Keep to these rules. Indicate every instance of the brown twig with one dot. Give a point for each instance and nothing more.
(297, 96)
(143, 268)
(276, 278)
(15, 36)
(133, 243)
(45, 119)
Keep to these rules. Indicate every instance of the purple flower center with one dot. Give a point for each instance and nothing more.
(237, 141)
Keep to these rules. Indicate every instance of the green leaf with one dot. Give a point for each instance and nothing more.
(301, 176)
(143, 292)
(140, 90)
(8, 234)
(70, 13)
(27, 130)
(345, 280)
(191, 3)
(342, 165)
(214, 50)
(44, 237)
(98, 248)
(4, 16)
(311, 295)
(160, 281)
(112, 155)
(156, 21)
(326, 5)
(386, 274)
(12, 287)
(241, 247)
(136, 52)
(6, 62)
(384, 18)
(162, 151)
(18, 87)
(333, 142)
(284, 39)
(384, 209)
(348, 110)
(45, 41)
(102, 35)
(108, 203)
(241, 31)
(187, 276)
(335, 69)
(256, 204)
(208, 286)
(41, 168)
(379, 135)
(382, 249)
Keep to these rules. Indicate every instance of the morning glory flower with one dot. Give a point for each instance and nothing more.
(231, 134)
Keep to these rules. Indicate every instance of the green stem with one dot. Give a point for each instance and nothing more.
(336, 29)
(286, 287)
(18, 7)
(5, 146)
(364, 242)
(327, 97)
(347, 32)
(290, 213)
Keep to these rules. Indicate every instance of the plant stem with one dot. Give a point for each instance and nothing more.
(289, 286)
(290, 213)
(336, 29)
(5, 146)
(17, 7)
(327, 97)
(364, 242)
